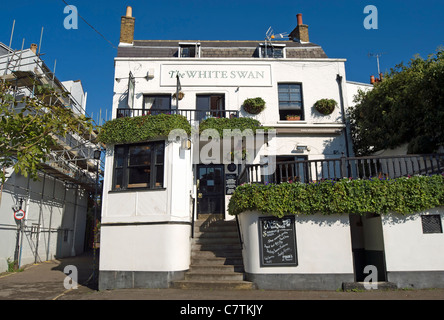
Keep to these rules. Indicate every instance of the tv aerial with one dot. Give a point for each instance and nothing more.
(377, 55)
(270, 35)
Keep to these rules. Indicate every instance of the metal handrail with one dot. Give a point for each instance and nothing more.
(190, 114)
(344, 167)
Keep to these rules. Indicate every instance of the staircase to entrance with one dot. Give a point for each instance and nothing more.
(216, 257)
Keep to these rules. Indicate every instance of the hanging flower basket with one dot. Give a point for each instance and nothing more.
(180, 95)
(325, 106)
(254, 105)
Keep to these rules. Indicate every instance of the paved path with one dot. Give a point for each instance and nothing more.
(45, 281)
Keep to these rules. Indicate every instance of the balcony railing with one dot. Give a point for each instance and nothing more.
(190, 114)
(353, 167)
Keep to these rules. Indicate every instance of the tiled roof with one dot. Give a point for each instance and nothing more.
(217, 49)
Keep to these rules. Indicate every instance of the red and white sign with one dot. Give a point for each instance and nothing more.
(19, 214)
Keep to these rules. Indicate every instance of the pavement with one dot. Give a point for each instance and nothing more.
(47, 281)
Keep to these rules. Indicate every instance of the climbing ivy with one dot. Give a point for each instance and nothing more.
(219, 124)
(380, 196)
(142, 128)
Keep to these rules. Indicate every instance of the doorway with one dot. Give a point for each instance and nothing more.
(210, 189)
(367, 245)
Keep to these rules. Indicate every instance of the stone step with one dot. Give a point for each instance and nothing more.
(216, 257)
(213, 285)
(211, 268)
(216, 261)
(207, 276)
(216, 234)
(215, 247)
(216, 253)
(215, 241)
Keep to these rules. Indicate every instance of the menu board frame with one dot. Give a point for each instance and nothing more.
(282, 241)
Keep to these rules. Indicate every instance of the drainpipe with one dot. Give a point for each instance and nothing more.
(344, 120)
(73, 248)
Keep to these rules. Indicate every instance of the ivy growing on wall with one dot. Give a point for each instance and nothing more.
(380, 196)
(219, 124)
(142, 128)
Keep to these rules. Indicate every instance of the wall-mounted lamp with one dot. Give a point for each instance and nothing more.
(185, 144)
(301, 148)
(149, 75)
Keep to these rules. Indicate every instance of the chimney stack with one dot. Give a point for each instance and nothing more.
(300, 33)
(127, 27)
(34, 48)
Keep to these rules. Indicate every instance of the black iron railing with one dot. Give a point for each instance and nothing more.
(352, 167)
(190, 114)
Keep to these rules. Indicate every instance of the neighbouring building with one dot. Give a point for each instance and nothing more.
(55, 206)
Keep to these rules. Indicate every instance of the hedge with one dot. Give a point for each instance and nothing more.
(142, 128)
(380, 196)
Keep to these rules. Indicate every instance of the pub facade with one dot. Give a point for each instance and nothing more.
(156, 191)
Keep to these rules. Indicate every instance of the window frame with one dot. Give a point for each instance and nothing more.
(155, 95)
(183, 45)
(272, 46)
(283, 112)
(154, 167)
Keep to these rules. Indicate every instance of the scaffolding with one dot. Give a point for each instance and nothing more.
(72, 158)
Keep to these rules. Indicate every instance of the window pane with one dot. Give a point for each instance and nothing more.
(159, 177)
(118, 178)
(138, 177)
(157, 102)
(160, 154)
(119, 156)
(290, 97)
(139, 155)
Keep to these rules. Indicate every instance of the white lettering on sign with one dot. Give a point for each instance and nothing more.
(215, 75)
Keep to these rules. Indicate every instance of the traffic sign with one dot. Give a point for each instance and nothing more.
(19, 214)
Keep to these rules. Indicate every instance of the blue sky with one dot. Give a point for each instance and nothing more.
(405, 28)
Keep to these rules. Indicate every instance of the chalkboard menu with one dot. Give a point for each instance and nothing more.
(230, 183)
(277, 240)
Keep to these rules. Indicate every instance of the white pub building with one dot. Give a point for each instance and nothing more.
(161, 201)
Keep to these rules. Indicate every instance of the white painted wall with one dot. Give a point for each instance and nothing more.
(318, 78)
(323, 245)
(407, 248)
(169, 204)
(161, 247)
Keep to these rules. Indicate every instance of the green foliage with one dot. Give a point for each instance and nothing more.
(219, 124)
(142, 128)
(326, 106)
(28, 128)
(254, 105)
(380, 196)
(406, 107)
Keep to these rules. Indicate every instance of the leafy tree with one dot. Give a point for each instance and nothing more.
(406, 107)
(28, 128)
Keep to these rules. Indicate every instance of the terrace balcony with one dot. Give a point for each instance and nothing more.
(192, 115)
(307, 171)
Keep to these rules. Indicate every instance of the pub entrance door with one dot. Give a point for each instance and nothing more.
(210, 189)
